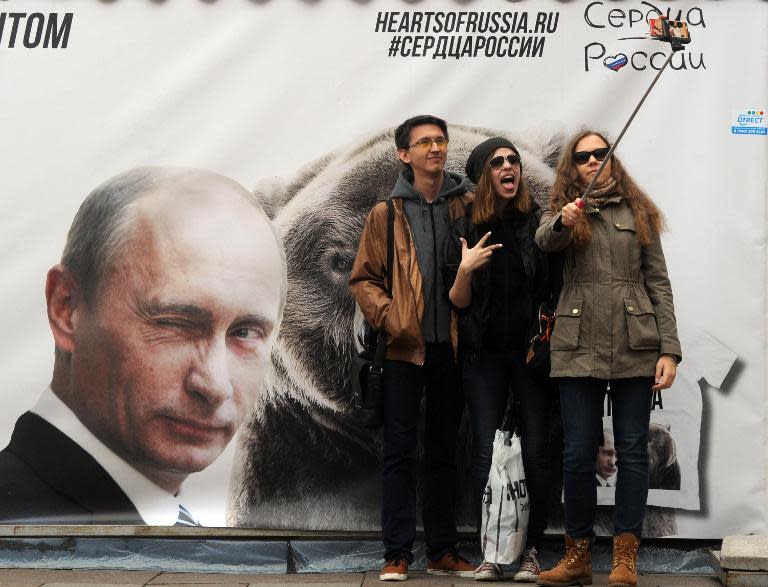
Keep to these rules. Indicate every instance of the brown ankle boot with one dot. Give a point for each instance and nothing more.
(575, 568)
(624, 573)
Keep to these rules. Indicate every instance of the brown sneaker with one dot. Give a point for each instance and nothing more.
(451, 564)
(394, 570)
(575, 568)
(624, 573)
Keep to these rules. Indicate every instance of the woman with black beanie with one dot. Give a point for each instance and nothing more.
(497, 279)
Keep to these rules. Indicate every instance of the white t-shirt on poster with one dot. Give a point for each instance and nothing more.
(676, 422)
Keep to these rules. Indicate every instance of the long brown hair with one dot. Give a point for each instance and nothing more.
(568, 186)
(484, 204)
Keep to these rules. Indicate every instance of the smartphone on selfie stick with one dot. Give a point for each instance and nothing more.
(670, 31)
(674, 32)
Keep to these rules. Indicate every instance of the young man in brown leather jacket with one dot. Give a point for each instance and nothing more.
(420, 354)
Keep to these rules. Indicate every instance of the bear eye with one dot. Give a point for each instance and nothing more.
(337, 261)
(342, 262)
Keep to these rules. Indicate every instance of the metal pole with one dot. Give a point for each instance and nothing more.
(626, 126)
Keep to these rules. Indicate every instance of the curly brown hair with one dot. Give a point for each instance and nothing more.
(484, 203)
(568, 186)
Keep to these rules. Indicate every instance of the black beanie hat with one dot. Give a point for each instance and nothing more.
(480, 154)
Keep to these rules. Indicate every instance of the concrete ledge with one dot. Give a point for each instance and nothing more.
(745, 553)
(32, 531)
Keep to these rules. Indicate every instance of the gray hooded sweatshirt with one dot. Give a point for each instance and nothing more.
(430, 226)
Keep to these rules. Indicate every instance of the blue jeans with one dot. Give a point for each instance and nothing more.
(581, 403)
(402, 389)
(489, 381)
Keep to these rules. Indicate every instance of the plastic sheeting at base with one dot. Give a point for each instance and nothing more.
(689, 557)
(166, 554)
(333, 556)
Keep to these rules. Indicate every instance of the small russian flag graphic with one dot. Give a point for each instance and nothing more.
(615, 62)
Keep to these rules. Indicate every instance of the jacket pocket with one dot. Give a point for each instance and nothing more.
(641, 324)
(626, 226)
(624, 219)
(565, 336)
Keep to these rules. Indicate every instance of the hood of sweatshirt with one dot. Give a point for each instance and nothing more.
(430, 225)
(453, 185)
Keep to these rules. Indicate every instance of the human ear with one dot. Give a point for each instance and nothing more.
(62, 297)
(404, 156)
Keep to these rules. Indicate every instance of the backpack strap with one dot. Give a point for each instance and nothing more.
(381, 344)
(390, 242)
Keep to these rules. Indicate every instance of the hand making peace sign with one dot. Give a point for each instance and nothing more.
(477, 256)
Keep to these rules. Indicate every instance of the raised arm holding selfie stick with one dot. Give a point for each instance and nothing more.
(615, 331)
(662, 30)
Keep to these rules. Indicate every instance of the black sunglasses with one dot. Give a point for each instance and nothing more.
(581, 157)
(498, 161)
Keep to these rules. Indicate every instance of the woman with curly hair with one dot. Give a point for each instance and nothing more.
(615, 331)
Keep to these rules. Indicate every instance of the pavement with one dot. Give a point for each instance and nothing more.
(83, 578)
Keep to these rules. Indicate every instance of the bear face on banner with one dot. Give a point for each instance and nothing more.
(663, 468)
(305, 461)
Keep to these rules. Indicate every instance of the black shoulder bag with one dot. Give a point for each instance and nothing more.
(368, 364)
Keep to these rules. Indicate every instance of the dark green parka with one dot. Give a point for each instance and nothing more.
(615, 315)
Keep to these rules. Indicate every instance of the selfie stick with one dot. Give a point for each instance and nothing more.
(676, 46)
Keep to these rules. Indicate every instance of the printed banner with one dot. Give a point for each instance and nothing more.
(297, 102)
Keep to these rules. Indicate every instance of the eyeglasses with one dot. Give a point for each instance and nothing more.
(581, 157)
(498, 161)
(424, 144)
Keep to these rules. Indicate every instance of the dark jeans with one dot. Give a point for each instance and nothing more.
(403, 384)
(489, 381)
(581, 402)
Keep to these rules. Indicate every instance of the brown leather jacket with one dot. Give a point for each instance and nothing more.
(401, 315)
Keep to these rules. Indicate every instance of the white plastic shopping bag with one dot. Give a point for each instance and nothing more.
(505, 502)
